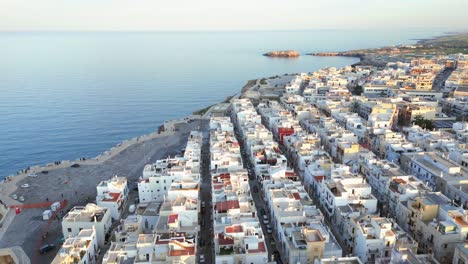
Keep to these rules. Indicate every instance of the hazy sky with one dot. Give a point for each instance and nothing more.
(64, 15)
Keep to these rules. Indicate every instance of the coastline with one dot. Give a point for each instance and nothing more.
(77, 185)
(102, 157)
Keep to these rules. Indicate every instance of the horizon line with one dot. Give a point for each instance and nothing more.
(444, 29)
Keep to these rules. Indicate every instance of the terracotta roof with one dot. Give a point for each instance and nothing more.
(172, 218)
(225, 240)
(296, 196)
(401, 181)
(234, 229)
(459, 220)
(114, 197)
(225, 176)
(224, 206)
(319, 178)
(261, 248)
(182, 251)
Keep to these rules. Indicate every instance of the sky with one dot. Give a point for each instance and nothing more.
(188, 15)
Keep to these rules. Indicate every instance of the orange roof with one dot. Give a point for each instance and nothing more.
(460, 221)
(234, 229)
(401, 181)
(226, 205)
(225, 240)
(261, 248)
(114, 197)
(185, 250)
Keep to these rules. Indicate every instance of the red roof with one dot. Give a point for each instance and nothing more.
(183, 251)
(114, 197)
(225, 240)
(285, 130)
(224, 206)
(218, 186)
(225, 176)
(296, 196)
(319, 178)
(401, 181)
(172, 218)
(234, 229)
(290, 173)
(261, 248)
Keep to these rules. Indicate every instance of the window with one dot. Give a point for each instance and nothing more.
(157, 181)
(445, 245)
(69, 230)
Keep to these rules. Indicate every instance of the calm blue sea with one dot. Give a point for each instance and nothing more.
(71, 95)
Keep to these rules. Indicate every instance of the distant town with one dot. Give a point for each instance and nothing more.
(363, 164)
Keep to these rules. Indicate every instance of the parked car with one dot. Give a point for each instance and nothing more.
(202, 258)
(26, 185)
(269, 229)
(262, 211)
(255, 189)
(265, 219)
(21, 199)
(14, 196)
(32, 174)
(46, 248)
(203, 204)
(76, 165)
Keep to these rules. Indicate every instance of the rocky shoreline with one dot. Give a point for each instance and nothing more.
(283, 54)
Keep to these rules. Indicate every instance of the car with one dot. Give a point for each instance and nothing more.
(44, 172)
(21, 199)
(203, 204)
(265, 219)
(202, 258)
(269, 230)
(26, 185)
(262, 211)
(46, 248)
(14, 196)
(32, 174)
(255, 189)
(76, 165)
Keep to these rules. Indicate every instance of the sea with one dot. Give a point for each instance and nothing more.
(67, 95)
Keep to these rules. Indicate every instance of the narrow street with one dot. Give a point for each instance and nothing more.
(256, 190)
(205, 245)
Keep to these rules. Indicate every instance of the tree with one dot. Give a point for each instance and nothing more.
(424, 123)
(354, 107)
(358, 90)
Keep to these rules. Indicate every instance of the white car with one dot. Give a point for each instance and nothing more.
(32, 174)
(265, 219)
(21, 199)
(26, 185)
(202, 258)
(14, 196)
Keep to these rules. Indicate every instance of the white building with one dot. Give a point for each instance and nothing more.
(113, 195)
(81, 248)
(87, 217)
